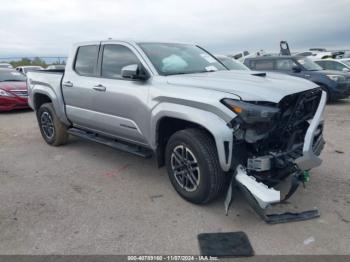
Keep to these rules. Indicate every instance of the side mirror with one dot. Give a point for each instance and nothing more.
(345, 69)
(296, 69)
(134, 72)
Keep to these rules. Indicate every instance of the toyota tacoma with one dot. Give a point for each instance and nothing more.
(212, 128)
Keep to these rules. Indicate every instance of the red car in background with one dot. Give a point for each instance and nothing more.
(13, 90)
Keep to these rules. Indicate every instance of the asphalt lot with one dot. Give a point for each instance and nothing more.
(85, 198)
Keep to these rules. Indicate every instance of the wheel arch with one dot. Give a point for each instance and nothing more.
(39, 99)
(41, 96)
(179, 117)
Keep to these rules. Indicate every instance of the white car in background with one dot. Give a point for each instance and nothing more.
(333, 64)
(5, 65)
(24, 69)
(241, 56)
(56, 67)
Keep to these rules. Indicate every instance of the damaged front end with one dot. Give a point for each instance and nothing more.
(274, 141)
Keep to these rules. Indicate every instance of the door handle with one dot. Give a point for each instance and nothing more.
(99, 87)
(68, 84)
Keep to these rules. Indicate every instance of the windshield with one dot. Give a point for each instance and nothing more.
(232, 64)
(11, 75)
(309, 64)
(173, 59)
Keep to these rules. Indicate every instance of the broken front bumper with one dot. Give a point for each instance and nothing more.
(260, 196)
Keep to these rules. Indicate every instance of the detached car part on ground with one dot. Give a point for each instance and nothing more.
(212, 128)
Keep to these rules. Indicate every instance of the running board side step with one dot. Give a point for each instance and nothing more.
(126, 147)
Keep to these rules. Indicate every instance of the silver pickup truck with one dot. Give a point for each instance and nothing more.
(212, 128)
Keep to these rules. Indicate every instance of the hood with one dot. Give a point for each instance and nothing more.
(270, 87)
(13, 85)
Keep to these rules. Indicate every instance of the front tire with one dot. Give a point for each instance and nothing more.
(193, 166)
(52, 129)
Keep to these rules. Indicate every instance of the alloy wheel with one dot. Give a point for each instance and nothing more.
(47, 125)
(185, 168)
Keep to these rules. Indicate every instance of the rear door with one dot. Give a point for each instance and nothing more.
(121, 104)
(285, 65)
(78, 86)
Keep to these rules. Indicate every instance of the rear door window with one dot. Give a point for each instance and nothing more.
(263, 65)
(86, 60)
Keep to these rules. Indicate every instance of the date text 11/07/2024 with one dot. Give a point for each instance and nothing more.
(172, 258)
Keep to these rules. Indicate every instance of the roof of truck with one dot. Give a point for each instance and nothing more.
(132, 41)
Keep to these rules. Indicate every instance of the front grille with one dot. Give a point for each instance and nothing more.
(285, 142)
(21, 93)
(286, 137)
(296, 110)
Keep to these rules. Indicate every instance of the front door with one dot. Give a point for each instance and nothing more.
(121, 104)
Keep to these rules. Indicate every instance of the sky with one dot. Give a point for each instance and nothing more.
(50, 27)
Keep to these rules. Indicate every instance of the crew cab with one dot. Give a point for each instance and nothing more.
(336, 84)
(180, 104)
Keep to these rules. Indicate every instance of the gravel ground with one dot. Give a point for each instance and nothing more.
(85, 198)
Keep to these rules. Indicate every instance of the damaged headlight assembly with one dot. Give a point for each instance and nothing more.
(251, 113)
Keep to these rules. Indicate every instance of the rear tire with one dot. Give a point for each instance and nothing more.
(52, 129)
(193, 166)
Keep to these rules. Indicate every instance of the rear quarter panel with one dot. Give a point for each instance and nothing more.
(49, 84)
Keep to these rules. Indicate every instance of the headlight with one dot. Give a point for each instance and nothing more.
(4, 93)
(337, 78)
(251, 113)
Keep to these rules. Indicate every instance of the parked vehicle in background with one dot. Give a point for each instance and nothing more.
(332, 64)
(13, 90)
(318, 55)
(56, 67)
(5, 65)
(24, 69)
(179, 103)
(240, 55)
(231, 63)
(345, 61)
(243, 55)
(335, 83)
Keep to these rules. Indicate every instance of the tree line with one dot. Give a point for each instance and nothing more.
(36, 61)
